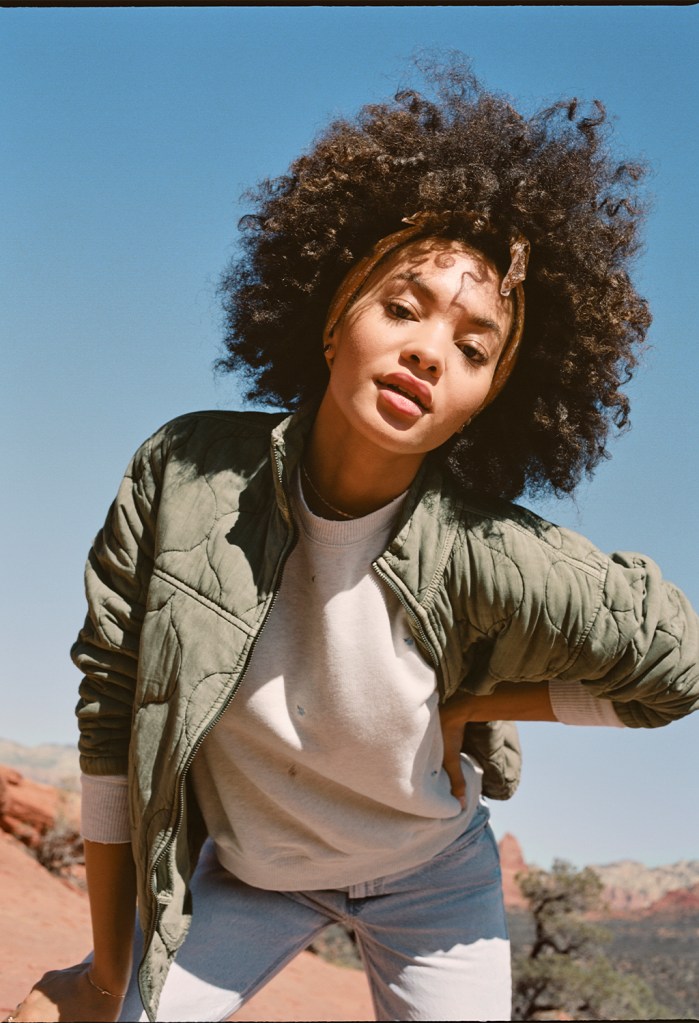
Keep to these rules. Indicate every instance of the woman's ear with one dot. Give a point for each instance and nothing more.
(468, 422)
(329, 353)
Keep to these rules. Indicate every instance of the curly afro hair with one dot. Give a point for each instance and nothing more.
(551, 177)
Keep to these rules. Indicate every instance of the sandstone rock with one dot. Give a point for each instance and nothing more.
(631, 886)
(28, 809)
(46, 923)
(677, 902)
(512, 863)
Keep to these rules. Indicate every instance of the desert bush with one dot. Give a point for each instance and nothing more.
(60, 850)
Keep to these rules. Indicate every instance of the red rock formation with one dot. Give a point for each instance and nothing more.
(678, 902)
(631, 887)
(511, 863)
(28, 810)
(46, 923)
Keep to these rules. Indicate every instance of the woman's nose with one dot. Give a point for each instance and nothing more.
(426, 354)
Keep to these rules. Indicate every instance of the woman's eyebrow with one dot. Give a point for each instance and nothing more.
(413, 278)
(491, 325)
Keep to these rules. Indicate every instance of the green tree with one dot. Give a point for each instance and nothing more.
(565, 974)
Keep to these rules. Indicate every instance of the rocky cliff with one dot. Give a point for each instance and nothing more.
(633, 887)
(512, 863)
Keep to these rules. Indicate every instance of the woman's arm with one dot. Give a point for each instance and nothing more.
(117, 577)
(511, 701)
(74, 993)
(111, 879)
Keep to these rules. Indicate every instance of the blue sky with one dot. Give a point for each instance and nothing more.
(130, 134)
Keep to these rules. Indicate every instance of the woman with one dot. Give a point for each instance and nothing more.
(308, 635)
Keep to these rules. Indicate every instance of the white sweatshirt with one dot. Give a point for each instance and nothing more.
(327, 769)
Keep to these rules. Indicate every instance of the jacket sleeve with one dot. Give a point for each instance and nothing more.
(609, 622)
(117, 574)
(642, 651)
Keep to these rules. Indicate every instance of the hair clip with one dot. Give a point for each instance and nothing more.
(519, 259)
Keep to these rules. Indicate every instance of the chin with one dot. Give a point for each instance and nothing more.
(402, 438)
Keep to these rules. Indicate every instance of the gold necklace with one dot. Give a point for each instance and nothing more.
(338, 511)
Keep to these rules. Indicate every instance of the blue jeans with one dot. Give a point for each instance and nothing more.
(433, 939)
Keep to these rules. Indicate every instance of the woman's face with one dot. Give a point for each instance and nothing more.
(413, 358)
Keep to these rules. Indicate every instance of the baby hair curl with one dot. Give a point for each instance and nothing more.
(551, 177)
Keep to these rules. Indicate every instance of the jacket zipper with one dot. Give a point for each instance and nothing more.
(180, 802)
(418, 625)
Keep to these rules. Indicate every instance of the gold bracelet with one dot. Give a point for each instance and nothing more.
(101, 989)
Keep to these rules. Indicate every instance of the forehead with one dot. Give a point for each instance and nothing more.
(452, 275)
(441, 258)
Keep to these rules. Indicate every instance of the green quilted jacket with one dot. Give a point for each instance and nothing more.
(183, 575)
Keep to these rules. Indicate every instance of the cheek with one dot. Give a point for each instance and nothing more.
(347, 372)
(356, 348)
(469, 386)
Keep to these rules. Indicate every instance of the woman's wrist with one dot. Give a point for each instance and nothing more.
(103, 991)
(112, 890)
(510, 701)
(111, 976)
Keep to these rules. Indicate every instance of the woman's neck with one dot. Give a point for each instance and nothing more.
(346, 477)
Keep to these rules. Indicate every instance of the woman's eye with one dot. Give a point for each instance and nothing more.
(400, 311)
(473, 353)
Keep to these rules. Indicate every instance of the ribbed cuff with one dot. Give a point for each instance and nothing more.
(573, 704)
(105, 808)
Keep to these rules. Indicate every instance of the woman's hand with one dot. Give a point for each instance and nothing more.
(453, 717)
(67, 995)
(510, 701)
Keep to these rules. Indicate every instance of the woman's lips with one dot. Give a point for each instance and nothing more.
(405, 394)
(399, 402)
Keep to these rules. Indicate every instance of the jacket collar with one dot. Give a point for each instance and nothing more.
(425, 529)
(287, 443)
